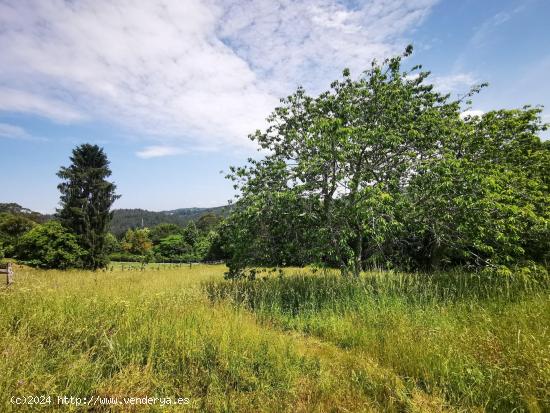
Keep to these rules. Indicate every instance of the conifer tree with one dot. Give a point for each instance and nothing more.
(86, 200)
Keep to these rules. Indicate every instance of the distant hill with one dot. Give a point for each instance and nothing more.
(17, 209)
(124, 219)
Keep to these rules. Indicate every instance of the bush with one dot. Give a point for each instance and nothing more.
(50, 245)
(127, 257)
(173, 246)
(12, 227)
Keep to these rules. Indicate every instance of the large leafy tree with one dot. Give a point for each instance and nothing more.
(86, 200)
(343, 156)
(483, 200)
(208, 222)
(383, 170)
(173, 247)
(137, 241)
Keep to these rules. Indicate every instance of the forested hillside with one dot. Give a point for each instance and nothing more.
(16, 209)
(124, 219)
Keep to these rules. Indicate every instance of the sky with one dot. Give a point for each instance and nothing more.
(171, 89)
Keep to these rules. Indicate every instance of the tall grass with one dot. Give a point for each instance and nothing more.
(300, 343)
(304, 292)
(136, 333)
(478, 341)
(152, 332)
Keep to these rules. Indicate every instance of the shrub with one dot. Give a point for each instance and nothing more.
(50, 245)
(12, 227)
(172, 246)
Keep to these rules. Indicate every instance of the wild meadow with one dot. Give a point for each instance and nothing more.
(378, 242)
(300, 341)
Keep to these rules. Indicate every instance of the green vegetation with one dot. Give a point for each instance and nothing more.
(85, 218)
(477, 341)
(171, 243)
(444, 221)
(378, 172)
(16, 209)
(383, 172)
(14, 222)
(296, 343)
(86, 200)
(162, 243)
(125, 219)
(50, 245)
(13, 226)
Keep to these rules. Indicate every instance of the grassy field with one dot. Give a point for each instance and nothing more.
(302, 342)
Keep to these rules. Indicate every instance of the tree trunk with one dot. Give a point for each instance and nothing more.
(357, 264)
(327, 218)
(436, 257)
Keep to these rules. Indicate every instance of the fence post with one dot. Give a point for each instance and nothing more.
(8, 270)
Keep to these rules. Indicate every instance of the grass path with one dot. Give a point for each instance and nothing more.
(346, 380)
(362, 382)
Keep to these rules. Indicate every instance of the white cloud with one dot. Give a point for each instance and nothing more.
(310, 42)
(21, 101)
(471, 113)
(159, 151)
(489, 26)
(9, 131)
(458, 82)
(12, 131)
(192, 73)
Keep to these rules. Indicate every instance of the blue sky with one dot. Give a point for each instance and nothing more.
(171, 88)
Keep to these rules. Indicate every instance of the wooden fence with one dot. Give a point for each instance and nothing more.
(8, 270)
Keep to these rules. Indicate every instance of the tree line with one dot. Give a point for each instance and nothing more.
(79, 235)
(124, 219)
(194, 242)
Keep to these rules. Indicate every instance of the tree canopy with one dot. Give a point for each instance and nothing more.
(50, 245)
(384, 171)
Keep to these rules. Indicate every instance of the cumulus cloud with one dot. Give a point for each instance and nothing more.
(310, 42)
(13, 100)
(194, 73)
(472, 113)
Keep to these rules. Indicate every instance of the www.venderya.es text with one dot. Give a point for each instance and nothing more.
(46, 400)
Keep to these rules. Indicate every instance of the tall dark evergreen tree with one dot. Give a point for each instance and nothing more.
(86, 200)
